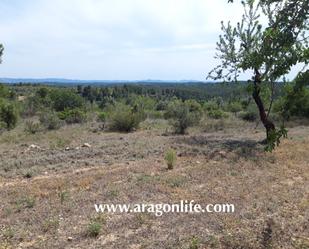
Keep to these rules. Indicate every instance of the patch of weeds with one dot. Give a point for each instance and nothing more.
(32, 127)
(59, 143)
(170, 159)
(233, 173)
(213, 241)
(94, 229)
(7, 211)
(176, 182)
(25, 202)
(5, 245)
(8, 233)
(113, 193)
(143, 178)
(50, 225)
(300, 243)
(194, 243)
(95, 225)
(141, 219)
(63, 196)
(28, 174)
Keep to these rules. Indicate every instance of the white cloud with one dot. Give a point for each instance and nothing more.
(111, 39)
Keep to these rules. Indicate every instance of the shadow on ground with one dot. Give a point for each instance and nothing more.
(213, 145)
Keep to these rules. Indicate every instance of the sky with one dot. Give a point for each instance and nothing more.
(112, 39)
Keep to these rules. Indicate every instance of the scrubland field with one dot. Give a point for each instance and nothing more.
(51, 177)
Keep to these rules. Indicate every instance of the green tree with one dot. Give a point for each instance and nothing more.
(9, 115)
(268, 53)
(63, 99)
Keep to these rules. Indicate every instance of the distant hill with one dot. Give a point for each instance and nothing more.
(95, 82)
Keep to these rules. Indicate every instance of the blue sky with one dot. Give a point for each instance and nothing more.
(111, 39)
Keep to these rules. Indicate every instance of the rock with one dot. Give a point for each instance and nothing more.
(222, 153)
(70, 238)
(198, 162)
(33, 146)
(67, 148)
(86, 145)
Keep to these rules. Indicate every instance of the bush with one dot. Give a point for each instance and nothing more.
(210, 105)
(234, 107)
(217, 114)
(94, 229)
(65, 99)
(183, 114)
(9, 115)
(102, 116)
(170, 158)
(122, 118)
(32, 127)
(50, 120)
(30, 107)
(250, 116)
(73, 116)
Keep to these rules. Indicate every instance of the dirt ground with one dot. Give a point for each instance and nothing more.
(49, 183)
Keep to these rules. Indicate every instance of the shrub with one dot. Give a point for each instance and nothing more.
(250, 116)
(65, 99)
(170, 158)
(217, 114)
(9, 115)
(32, 127)
(30, 107)
(183, 114)
(50, 120)
(73, 116)
(234, 107)
(94, 229)
(28, 174)
(161, 105)
(102, 116)
(123, 118)
(210, 105)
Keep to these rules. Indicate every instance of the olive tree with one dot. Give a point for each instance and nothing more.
(267, 52)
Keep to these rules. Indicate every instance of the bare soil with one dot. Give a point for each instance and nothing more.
(48, 191)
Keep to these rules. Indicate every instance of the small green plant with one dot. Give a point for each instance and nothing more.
(170, 158)
(63, 196)
(50, 225)
(102, 116)
(8, 233)
(25, 202)
(59, 143)
(50, 120)
(94, 228)
(28, 174)
(73, 116)
(32, 127)
(194, 243)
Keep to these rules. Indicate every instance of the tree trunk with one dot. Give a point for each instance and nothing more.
(269, 125)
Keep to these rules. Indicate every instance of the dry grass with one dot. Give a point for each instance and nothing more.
(54, 208)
